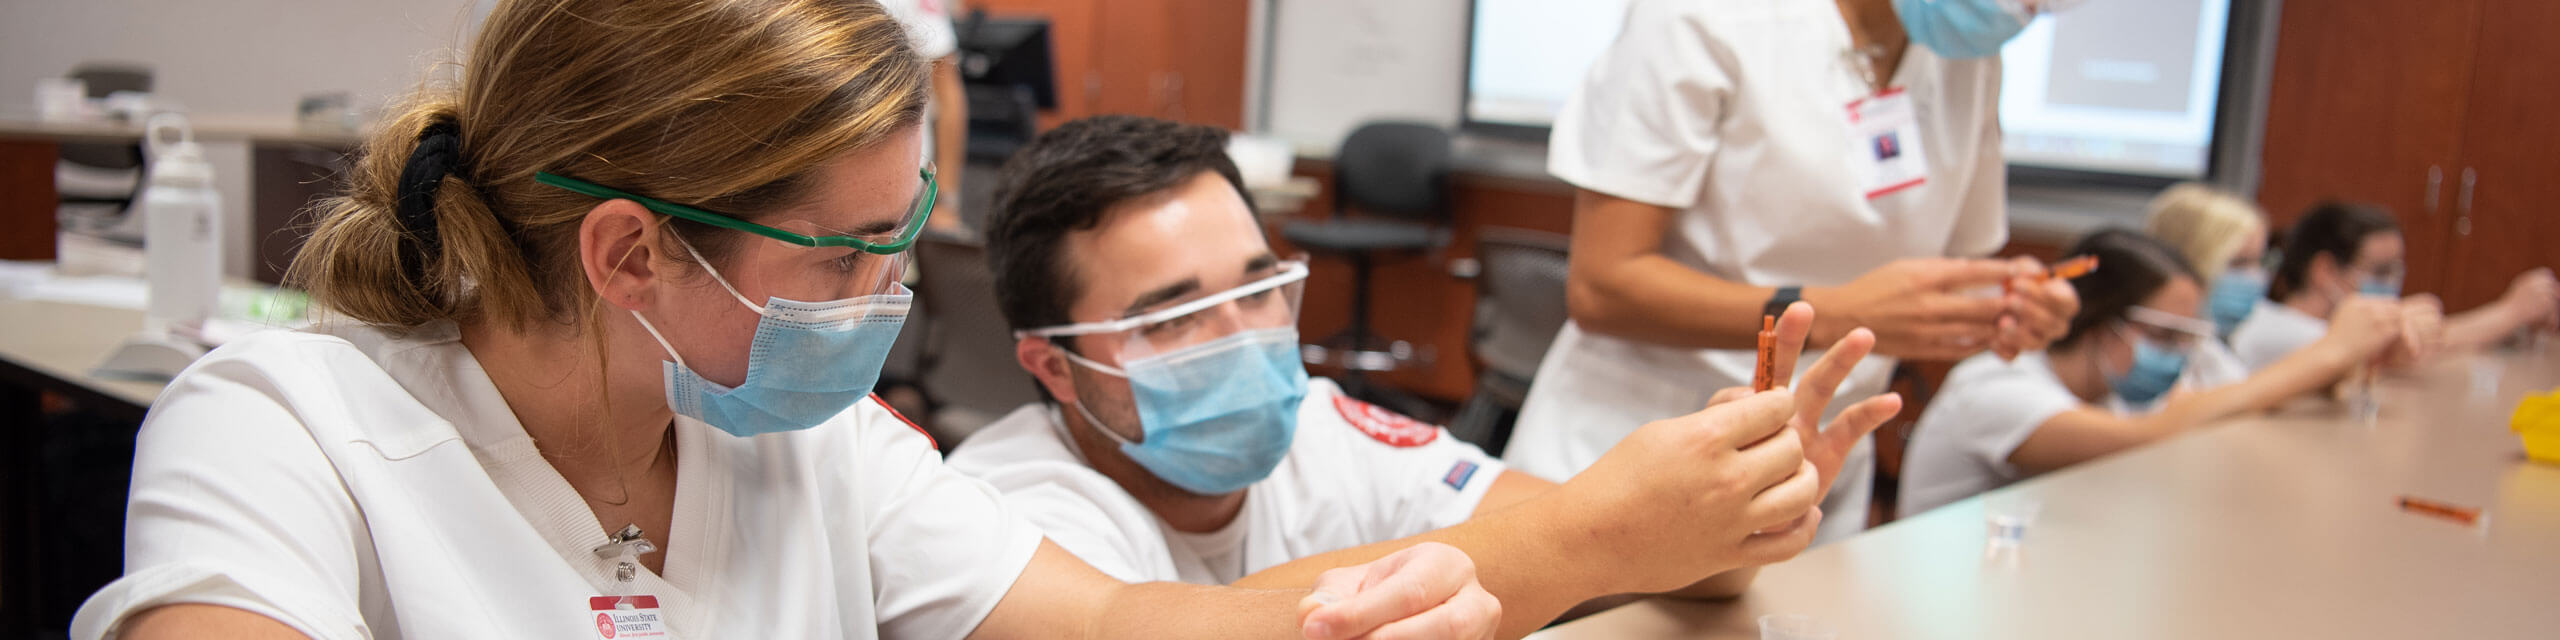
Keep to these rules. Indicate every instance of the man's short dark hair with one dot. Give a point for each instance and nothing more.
(1062, 183)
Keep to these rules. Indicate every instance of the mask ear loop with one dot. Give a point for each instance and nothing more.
(1089, 418)
(662, 340)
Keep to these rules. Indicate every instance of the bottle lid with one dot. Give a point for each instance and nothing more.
(176, 159)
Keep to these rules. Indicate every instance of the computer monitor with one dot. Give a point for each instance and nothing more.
(1009, 52)
(1005, 67)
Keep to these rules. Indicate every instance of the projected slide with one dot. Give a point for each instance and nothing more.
(2113, 86)
(2116, 86)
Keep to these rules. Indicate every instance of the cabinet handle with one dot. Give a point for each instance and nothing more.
(2435, 187)
(2462, 202)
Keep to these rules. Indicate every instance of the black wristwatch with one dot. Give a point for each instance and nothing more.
(1778, 302)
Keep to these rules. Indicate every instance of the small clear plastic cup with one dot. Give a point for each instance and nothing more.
(2007, 517)
(1788, 626)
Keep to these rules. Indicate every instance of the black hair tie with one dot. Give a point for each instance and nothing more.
(439, 154)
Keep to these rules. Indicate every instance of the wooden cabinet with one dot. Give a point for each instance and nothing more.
(1174, 59)
(2438, 109)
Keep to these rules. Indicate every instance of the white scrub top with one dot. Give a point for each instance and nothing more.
(2273, 331)
(352, 484)
(1735, 112)
(1356, 474)
(1983, 412)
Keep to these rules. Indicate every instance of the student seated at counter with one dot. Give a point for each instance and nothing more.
(1995, 422)
(2340, 251)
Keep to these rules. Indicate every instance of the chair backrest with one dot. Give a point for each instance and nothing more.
(103, 78)
(1398, 169)
(1519, 299)
(969, 363)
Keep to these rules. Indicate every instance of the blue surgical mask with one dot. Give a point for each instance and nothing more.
(2155, 371)
(2380, 287)
(2234, 295)
(1961, 28)
(809, 362)
(1216, 417)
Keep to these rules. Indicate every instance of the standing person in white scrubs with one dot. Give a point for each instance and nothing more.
(1185, 441)
(2338, 252)
(1733, 156)
(946, 101)
(1994, 421)
(547, 406)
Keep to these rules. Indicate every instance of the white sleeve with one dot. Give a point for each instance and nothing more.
(1990, 417)
(1414, 485)
(1982, 227)
(234, 504)
(1648, 119)
(1075, 509)
(943, 547)
(1437, 484)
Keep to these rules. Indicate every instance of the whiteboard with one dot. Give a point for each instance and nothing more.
(1335, 64)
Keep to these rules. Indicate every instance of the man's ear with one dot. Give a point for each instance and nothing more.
(1046, 365)
(616, 243)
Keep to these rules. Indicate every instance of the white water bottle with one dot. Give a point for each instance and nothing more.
(181, 251)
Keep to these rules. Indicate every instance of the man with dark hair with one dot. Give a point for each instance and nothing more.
(1184, 441)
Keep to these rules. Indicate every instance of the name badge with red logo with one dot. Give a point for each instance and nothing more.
(1884, 144)
(626, 617)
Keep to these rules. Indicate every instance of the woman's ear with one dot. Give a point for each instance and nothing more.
(616, 243)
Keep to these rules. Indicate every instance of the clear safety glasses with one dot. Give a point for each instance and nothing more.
(1269, 300)
(2169, 330)
(809, 261)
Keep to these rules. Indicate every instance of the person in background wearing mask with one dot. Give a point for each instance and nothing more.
(2225, 237)
(1734, 156)
(1184, 440)
(2340, 251)
(602, 317)
(1994, 422)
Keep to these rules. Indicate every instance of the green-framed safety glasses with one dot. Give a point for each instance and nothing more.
(903, 236)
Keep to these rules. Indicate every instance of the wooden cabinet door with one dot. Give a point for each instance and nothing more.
(2367, 103)
(1209, 40)
(2512, 222)
(1134, 56)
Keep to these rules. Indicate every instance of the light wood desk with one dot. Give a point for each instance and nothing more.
(207, 128)
(55, 344)
(2270, 527)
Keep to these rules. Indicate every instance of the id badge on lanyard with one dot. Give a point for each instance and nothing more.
(623, 613)
(1884, 144)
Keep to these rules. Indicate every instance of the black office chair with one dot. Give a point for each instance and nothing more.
(969, 372)
(1396, 175)
(1519, 309)
(96, 182)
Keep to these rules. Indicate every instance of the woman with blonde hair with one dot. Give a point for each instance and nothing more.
(2225, 237)
(604, 319)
